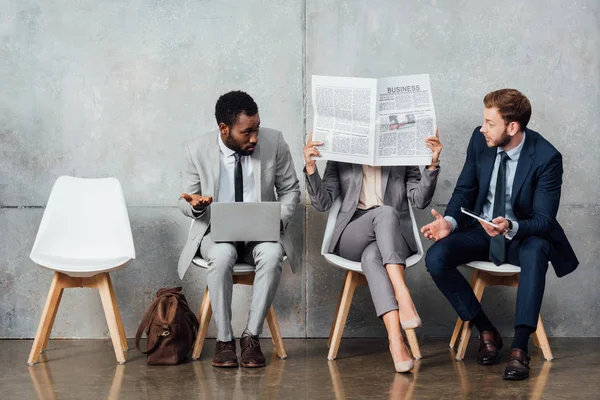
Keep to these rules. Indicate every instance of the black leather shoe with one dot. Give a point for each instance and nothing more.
(490, 344)
(517, 367)
(252, 356)
(225, 355)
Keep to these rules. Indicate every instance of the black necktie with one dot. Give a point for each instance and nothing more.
(498, 243)
(239, 195)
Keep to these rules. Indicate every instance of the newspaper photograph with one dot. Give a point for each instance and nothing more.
(374, 122)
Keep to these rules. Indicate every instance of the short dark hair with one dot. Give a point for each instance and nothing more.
(512, 105)
(232, 104)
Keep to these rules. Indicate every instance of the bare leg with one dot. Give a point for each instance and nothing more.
(403, 361)
(397, 346)
(406, 307)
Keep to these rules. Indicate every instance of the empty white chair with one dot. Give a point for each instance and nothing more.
(84, 234)
(354, 278)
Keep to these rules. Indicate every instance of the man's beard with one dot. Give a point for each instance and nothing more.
(504, 140)
(233, 145)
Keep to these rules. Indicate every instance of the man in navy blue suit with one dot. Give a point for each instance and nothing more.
(513, 177)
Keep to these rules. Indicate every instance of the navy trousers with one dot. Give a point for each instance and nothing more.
(473, 244)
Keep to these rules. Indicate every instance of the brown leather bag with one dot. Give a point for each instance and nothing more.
(170, 328)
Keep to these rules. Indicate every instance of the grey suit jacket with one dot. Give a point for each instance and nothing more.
(274, 174)
(398, 183)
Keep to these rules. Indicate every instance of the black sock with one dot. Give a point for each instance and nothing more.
(482, 322)
(521, 340)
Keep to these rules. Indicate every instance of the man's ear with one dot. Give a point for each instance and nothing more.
(513, 128)
(224, 129)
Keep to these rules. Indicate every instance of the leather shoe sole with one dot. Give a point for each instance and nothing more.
(489, 360)
(227, 364)
(250, 364)
(512, 375)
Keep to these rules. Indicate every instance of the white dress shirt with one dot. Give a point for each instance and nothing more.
(226, 177)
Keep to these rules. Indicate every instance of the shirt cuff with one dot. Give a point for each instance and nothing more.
(511, 233)
(452, 221)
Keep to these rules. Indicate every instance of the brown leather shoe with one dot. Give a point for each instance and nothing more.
(252, 356)
(490, 344)
(225, 355)
(517, 367)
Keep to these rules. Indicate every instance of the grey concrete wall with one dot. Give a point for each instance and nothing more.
(114, 88)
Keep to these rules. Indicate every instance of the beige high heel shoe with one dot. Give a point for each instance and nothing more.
(404, 366)
(411, 323)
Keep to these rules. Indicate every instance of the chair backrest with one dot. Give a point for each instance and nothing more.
(332, 218)
(85, 226)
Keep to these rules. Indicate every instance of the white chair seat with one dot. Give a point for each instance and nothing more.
(493, 269)
(81, 268)
(343, 263)
(238, 268)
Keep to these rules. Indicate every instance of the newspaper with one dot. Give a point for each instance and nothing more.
(374, 121)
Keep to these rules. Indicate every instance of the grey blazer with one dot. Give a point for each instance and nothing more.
(274, 174)
(399, 184)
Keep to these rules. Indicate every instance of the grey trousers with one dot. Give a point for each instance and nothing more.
(375, 239)
(267, 257)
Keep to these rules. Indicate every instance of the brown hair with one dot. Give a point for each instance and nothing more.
(512, 105)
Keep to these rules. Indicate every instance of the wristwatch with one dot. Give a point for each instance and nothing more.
(510, 224)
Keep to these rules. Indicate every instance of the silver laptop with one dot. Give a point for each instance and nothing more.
(247, 222)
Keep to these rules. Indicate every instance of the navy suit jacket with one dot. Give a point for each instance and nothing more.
(535, 194)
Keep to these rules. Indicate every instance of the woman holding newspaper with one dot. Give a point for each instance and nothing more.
(374, 227)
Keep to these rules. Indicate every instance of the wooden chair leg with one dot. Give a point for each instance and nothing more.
(459, 322)
(103, 284)
(457, 328)
(411, 336)
(276, 333)
(204, 319)
(540, 335)
(122, 335)
(337, 311)
(467, 326)
(47, 338)
(50, 307)
(350, 284)
(536, 342)
(464, 340)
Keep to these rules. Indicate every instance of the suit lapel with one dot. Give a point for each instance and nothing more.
(256, 171)
(523, 166)
(357, 177)
(385, 175)
(214, 162)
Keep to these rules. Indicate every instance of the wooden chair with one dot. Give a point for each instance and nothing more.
(84, 234)
(243, 274)
(486, 274)
(355, 278)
